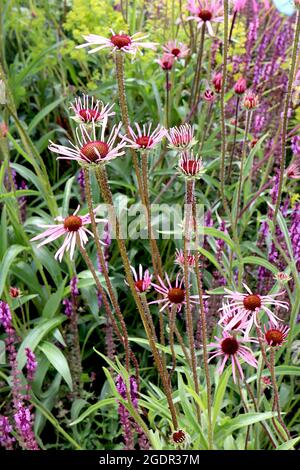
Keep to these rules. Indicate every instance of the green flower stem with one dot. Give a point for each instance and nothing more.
(125, 116)
(155, 255)
(222, 105)
(196, 83)
(241, 177)
(285, 115)
(234, 136)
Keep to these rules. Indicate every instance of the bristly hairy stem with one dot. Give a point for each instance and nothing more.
(222, 105)
(189, 318)
(234, 136)
(196, 83)
(241, 177)
(204, 334)
(103, 265)
(107, 196)
(276, 394)
(101, 290)
(125, 116)
(155, 255)
(285, 115)
(172, 318)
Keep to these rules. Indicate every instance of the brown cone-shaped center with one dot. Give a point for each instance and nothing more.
(205, 15)
(89, 114)
(274, 337)
(72, 223)
(190, 167)
(144, 141)
(139, 285)
(176, 295)
(120, 40)
(175, 52)
(179, 436)
(92, 150)
(252, 302)
(229, 346)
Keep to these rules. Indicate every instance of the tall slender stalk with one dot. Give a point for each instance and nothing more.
(189, 319)
(103, 265)
(241, 177)
(222, 105)
(276, 394)
(196, 83)
(234, 136)
(204, 335)
(107, 196)
(285, 115)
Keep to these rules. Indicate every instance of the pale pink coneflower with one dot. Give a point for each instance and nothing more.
(87, 109)
(217, 82)
(190, 165)
(293, 170)
(239, 5)
(229, 347)
(250, 100)
(69, 227)
(228, 317)
(176, 49)
(209, 95)
(142, 280)
(206, 12)
(282, 277)
(172, 295)
(240, 86)
(118, 42)
(275, 337)
(179, 259)
(247, 306)
(143, 138)
(182, 137)
(166, 62)
(89, 150)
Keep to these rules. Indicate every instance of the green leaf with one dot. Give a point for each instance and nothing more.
(58, 360)
(242, 421)
(67, 196)
(288, 445)
(53, 302)
(19, 193)
(43, 113)
(93, 409)
(258, 261)
(279, 370)
(219, 395)
(35, 336)
(9, 257)
(218, 234)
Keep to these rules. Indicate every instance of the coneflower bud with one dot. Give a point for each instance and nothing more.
(217, 82)
(166, 62)
(209, 95)
(240, 86)
(250, 100)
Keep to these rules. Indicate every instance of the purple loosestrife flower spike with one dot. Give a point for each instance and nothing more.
(6, 440)
(23, 421)
(31, 364)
